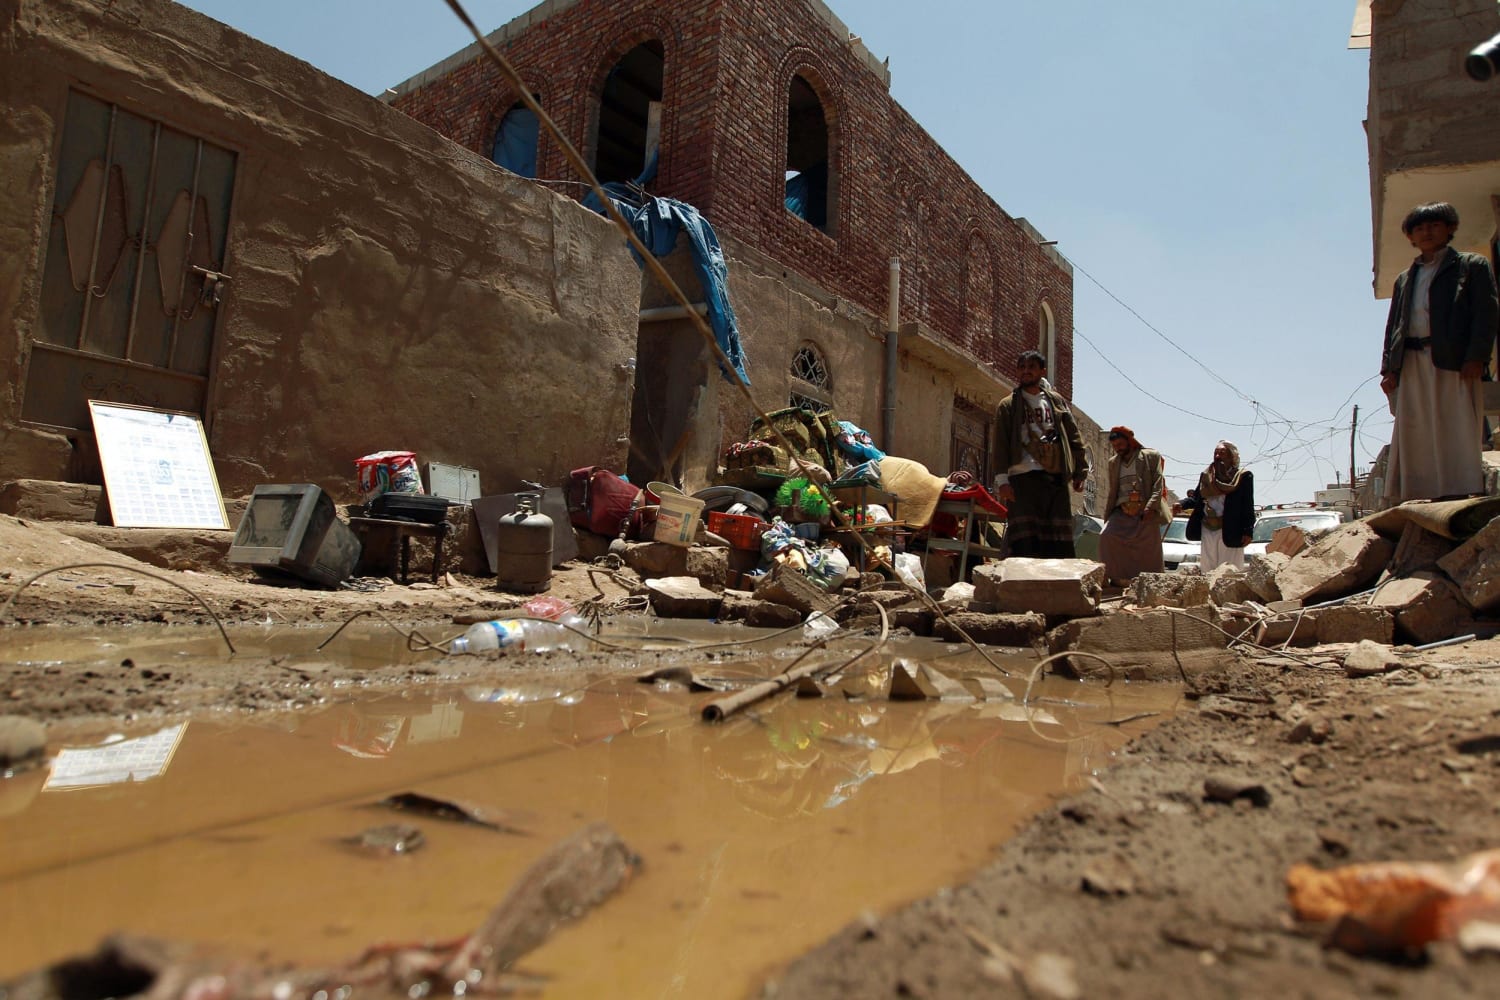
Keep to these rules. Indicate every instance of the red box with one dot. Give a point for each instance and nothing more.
(740, 530)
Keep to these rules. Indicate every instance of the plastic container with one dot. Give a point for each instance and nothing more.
(523, 548)
(677, 520)
(740, 530)
(520, 635)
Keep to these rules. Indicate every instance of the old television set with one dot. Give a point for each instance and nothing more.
(293, 530)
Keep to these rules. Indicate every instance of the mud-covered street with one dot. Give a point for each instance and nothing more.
(1163, 862)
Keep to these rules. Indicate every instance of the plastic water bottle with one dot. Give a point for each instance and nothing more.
(518, 635)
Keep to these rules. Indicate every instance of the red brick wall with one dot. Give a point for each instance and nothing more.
(728, 69)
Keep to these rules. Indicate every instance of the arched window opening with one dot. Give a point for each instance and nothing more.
(812, 388)
(630, 114)
(516, 140)
(808, 171)
(1047, 338)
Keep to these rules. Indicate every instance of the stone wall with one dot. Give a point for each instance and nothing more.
(389, 290)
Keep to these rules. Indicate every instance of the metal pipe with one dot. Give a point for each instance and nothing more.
(892, 335)
(661, 314)
(140, 254)
(88, 287)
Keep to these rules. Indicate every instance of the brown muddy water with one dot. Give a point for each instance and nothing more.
(760, 836)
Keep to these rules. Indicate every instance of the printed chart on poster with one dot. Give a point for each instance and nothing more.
(157, 469)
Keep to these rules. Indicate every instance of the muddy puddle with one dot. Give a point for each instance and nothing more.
(760, 836)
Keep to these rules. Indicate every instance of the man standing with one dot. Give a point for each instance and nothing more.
(1223, 512)
(1131, 542)
(1039, 451)
(1437, 341)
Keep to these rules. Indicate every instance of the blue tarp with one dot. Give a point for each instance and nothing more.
(516, 140)
(657, 221)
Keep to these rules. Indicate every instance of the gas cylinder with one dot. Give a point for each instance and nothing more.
(523, 548)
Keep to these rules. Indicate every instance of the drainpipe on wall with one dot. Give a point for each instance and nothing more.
(892, 328)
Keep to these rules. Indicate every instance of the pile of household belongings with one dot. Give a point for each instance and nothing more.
(790, 470)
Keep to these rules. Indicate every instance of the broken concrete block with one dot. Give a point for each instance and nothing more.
(1287, 540)
(1370, 658)
(1156, 630)
(1061, 588)
(784, 585)
(22, 741)
(1356, 623)
(1260, 574)
(1342, 562)
(710, 566)
(764, 614)
(991, 630)
(1475, 567)
(1418, 550)
(656, 559)
(1227, 585)
(42, 500)
(1289, 628)
(683, 597)
(1428, 607)
(1170, 590)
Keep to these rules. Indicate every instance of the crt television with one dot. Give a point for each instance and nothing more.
(292, 530)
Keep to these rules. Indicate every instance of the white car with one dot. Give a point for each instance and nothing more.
(1313, 522)
(1176, 550)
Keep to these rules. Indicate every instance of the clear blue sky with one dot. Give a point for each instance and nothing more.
(1204, 161)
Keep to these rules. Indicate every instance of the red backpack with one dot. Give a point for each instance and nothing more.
(599, 501)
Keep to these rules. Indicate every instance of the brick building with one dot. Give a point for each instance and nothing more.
(755, 108)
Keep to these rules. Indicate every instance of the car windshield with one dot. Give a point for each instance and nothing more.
(1176, 531)
(1266, 526)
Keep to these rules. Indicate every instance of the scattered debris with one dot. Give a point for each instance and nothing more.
(390, 839)
(453, 812)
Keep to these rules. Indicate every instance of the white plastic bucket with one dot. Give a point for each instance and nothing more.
(677, 520)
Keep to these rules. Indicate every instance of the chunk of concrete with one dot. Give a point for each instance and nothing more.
(1344, 561)
(784, 585)
(1356, 623)
(683, 597)
(1475, 567)
(22, 741)
(708, 565)
(656, 559)
(1287, 540)
(1260, 574)
(1155, 630)
(1227, 585)
(1170, 590)
(991, 630)
(1368, 658)
(43, 500)
(1418, 550)
(1289, 628)
(1427, 606)
(1060, 588)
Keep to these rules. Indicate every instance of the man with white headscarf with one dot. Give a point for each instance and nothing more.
(1223, 510)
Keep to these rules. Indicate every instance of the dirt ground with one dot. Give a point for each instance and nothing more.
(1138, 887)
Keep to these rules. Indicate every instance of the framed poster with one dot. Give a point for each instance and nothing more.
(157, 469)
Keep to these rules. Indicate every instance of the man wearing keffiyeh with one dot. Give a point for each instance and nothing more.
(1223, 512)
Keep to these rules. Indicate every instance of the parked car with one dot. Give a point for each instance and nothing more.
(1313, 521)
(1175, 547)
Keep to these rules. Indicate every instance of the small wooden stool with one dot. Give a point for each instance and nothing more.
(394, 538)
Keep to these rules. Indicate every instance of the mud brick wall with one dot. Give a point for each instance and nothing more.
(971, 272)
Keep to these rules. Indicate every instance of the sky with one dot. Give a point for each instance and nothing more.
(1201, 163)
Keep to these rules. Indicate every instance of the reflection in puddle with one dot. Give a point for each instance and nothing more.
(760, 836)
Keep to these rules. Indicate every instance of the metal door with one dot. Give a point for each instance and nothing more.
(133, 273)
(971, 436)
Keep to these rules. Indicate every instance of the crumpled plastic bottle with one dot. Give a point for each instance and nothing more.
(518, 635)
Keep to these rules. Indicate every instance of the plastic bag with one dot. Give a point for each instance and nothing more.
(388, 472)
(908, 567)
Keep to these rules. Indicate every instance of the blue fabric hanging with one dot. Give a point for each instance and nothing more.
(657, 221)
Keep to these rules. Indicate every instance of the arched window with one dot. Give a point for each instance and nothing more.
(1047, 338)
(516, 141)
(808, 157)
(812, 388)
(630, 114)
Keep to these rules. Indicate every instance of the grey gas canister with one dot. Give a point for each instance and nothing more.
(523, 548)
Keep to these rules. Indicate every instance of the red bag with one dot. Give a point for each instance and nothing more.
(599, 501)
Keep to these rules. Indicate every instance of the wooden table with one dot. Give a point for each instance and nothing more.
(973, 517)
(387, 544)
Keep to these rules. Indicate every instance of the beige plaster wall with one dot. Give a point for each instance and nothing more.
(390, 290)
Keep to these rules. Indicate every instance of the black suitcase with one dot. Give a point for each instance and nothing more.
(416, 507)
